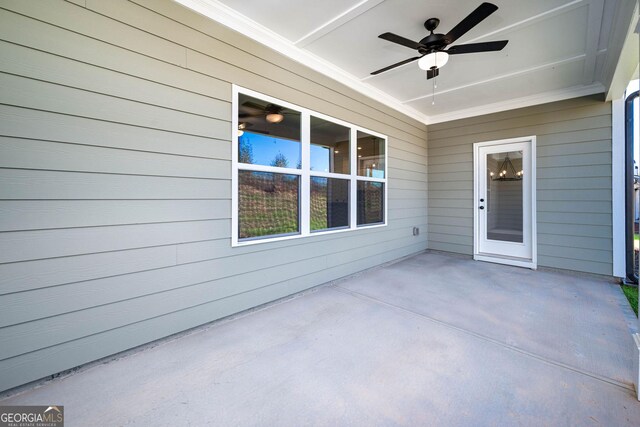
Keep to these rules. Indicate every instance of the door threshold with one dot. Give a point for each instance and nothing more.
(507, 260)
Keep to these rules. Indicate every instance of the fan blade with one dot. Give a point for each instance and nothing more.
(382, 70)
(245, 115)
(477, 47)
(432, 73)
(253, 105)
(400, 40)
(474, 18)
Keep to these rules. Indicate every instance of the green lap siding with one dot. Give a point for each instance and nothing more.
(573, 180)
(115, 180)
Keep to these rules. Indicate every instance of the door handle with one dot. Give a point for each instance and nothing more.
(480, 207)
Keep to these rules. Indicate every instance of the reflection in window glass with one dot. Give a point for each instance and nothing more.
(370, 202)
(504, 196)
(370, 155)
(329, 146)
(329, 203)
(268, 204)
(265, 150)
(269, 134)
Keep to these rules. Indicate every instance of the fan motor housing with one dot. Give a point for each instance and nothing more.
(433, 41)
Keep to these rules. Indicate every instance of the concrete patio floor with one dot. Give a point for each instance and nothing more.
(430, 340)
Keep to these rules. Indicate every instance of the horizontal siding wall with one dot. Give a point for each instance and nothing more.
(573, 180)
(115, 191)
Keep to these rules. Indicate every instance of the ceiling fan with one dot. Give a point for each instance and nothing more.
(271, 112)
(432, 48)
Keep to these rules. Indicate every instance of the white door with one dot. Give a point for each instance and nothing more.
(504, 206)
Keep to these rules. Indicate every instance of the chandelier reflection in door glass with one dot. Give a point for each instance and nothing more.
(507, 171)
(504, 197)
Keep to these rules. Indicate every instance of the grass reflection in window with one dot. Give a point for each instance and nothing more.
(370, 202)
(268, 204)
(329, 203)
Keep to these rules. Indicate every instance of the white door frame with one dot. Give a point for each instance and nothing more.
(533, 262)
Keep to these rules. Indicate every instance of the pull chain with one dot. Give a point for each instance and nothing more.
(435, 85)
(433, 96)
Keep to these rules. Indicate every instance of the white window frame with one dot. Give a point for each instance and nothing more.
(304, 173)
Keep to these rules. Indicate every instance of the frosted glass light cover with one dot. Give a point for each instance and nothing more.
(434, 59)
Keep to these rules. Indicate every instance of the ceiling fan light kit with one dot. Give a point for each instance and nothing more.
(274, 117)
(434, 49)
(433, 60)
(272, 113)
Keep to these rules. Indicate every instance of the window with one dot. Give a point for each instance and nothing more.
(371, 162)
(370, 202)
(268, 134)
(329, 146)
(298, 173)
(268, 204)
(329, 203)
(370, 155)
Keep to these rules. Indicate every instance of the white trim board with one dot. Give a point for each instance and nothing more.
(528, 101)
(221, 13)
(336, 21)
(531, 70)
(618, 73)
(618, 187)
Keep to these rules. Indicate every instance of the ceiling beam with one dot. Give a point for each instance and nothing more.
(594, 27)
(567, 7)
(625, 44)
(530, 70)
(336, 22)
(527, 101)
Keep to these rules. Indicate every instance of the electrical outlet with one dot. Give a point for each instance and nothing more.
(416, 231)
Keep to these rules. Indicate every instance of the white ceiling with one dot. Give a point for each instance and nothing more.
(557, 49)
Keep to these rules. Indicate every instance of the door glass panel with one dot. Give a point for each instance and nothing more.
(504, 196)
